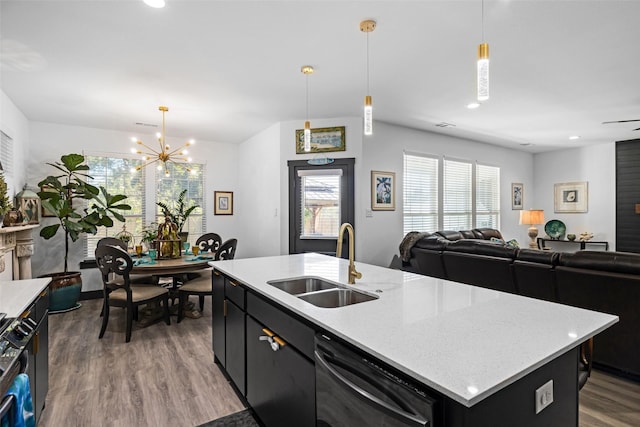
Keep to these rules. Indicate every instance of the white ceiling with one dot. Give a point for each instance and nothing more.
(229, 69)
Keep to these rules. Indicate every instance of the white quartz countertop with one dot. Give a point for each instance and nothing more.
(17, 295)
(464, 341)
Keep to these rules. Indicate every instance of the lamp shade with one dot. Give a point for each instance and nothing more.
(531, 217)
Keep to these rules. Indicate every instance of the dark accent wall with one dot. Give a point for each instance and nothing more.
(627, 195)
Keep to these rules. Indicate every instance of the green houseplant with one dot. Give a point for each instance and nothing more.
(79, 208)
(179, 214)
(5, 202)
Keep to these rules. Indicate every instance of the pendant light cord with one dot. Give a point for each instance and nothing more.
(482, 21)
(368, 63)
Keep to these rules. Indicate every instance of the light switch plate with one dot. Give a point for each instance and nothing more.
(544, 396)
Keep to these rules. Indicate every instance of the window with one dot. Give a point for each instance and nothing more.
(448, 194)
(115, 175)
(6, 154)
(168, 189)
(320, 203)
(487, 196)
(420, 193)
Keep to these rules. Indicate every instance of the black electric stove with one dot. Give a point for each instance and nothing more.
(15, 333)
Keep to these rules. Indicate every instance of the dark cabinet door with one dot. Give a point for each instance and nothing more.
(281, 383)
(235, 345)
(218, 316)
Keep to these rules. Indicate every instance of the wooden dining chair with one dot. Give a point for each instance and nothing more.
(120, 292)
(209, 242)
(202, 285)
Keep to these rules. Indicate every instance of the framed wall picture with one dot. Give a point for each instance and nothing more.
(517, 195)
(383, 191)
(571, 197)
(322, 140)
(223, 203)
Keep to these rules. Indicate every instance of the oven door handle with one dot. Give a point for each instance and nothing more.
(8, 401)
(412, 419)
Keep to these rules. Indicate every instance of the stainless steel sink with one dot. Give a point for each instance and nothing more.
(336, 297)
(321, 292)
(302, 285)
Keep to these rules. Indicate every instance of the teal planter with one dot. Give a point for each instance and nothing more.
(64, 291)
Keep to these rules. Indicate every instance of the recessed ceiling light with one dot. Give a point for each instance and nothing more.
(473, 105)
(155, 3)
(574, 137)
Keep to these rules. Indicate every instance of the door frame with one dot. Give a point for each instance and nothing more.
(347, 189)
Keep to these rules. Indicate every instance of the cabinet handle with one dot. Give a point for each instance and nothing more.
(36, 343)
(216, 272)
(232, 283)
(275, 342)
(25, 314)
(280, 341)
(225, 308)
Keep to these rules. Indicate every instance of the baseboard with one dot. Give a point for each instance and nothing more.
(90, 295)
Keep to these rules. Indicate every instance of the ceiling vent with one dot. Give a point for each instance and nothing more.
(151, 125)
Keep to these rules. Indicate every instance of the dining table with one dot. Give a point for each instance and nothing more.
(176, 269)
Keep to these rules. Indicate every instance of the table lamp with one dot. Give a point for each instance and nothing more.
(531, 218)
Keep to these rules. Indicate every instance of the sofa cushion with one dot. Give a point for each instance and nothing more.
(450, 234)
(615, 262)
(433, 242)
(487, 233)
(469, 234)
(534, 255)
(482, 247)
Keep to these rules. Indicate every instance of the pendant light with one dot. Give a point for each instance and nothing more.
(307, 70)
(483, 65)
(367, 27)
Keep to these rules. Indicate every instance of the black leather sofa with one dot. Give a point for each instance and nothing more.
(602, 281)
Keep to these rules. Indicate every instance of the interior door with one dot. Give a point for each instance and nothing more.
(321, 198)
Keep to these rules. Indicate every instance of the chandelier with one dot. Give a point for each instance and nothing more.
(165, 154)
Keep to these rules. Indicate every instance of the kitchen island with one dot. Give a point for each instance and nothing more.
(472, 347)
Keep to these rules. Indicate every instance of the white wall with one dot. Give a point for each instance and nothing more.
(258, 196)
(596, 165)
(49, 141)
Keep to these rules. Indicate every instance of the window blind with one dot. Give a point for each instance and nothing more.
(457, 194)
(115, 175)
(6, 154)
(420, 193)
(487, 196)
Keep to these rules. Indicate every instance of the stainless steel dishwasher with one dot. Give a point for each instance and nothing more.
(355, 390)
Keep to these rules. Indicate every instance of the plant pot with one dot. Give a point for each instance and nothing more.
(64, 291)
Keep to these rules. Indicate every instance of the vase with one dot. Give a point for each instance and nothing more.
(64, 291)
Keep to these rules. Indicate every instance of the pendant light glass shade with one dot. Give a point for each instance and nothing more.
(367, 27)
(368, 116)
(483, 72)
(307, 136)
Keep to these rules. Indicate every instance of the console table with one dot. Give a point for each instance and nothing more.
(572, 246)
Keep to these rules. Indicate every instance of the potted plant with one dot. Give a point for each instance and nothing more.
(179, 215)
(5, 202)
(149, 235)
(80, 208)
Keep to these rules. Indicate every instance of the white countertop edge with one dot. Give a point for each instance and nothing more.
(17, 295)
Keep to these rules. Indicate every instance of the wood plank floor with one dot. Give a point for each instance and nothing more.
(166, 377)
